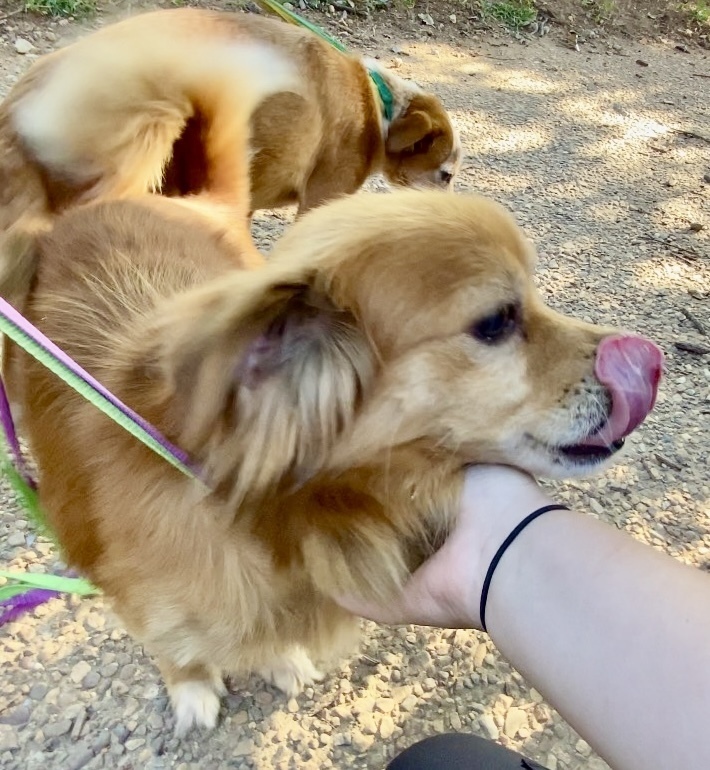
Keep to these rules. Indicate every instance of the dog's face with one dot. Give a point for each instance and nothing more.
(422, 148)
(407, 320)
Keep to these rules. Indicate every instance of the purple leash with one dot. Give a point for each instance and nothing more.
(36, 344)
(25, 602)
(8, 427)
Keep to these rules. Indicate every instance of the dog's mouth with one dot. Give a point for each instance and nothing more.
(589, 454)
(603, 441)
(629, 368)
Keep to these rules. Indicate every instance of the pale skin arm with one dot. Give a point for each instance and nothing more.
(615, 634)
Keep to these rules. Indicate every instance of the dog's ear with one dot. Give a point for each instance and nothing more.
(266, 381)
(415, 125)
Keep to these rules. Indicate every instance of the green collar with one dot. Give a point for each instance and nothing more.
(385, 94)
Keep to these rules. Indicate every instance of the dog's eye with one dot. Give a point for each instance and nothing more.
(497, 327)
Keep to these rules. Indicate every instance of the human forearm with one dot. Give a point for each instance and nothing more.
(614, 634)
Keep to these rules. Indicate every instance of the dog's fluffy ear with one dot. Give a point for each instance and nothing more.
(267, 379)
(413, 126)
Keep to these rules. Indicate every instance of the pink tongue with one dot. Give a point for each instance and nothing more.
(630, 367)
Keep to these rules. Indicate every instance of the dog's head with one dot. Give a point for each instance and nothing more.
(422, 147)
(406, 320)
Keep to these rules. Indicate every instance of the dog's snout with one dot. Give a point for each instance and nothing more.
(446, 176)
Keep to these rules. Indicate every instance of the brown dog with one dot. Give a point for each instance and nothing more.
(151, 103)
(331, 399)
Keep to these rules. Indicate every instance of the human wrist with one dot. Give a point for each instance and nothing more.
(497, 500)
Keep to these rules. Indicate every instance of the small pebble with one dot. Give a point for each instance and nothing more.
(23, 46)
(90, 680)
(79, 759)
(386, 727)
(361, 742)
(80, 670)
(101, 742)
(385, 705)
(79, 721)
(17, 718)
(515, 718)
(409, 703)
(57, 729)
(9, 740)
(367, 724)
(489, 726)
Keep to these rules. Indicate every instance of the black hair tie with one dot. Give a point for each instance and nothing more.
(506, 544)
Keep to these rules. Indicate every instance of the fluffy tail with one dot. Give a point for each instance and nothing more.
(23, 191)
(106, 117)
(19, 259)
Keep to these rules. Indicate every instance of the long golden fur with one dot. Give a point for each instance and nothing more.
(331, 399)
(157, 102)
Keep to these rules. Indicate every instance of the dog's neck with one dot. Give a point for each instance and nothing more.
(390, 91)
(384, 93)
(374, 523)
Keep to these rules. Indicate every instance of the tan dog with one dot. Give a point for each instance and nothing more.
(331, 399)
(157, 102)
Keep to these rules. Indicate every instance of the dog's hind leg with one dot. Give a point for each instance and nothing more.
(195, 693)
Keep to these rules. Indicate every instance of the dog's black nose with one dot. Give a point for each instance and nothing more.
(446, 176)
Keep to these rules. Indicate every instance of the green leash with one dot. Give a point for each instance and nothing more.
(293, 18)
(44, 351)
(35, 343)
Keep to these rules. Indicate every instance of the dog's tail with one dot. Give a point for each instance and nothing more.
(23, 192)
(106, 117)
(19, 257)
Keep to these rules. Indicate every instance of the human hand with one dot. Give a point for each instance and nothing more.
(446, 590)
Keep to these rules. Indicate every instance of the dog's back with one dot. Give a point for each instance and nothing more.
(98, 119)
(92, 282)
(88, 283)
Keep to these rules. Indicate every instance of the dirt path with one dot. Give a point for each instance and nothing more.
(589, 149)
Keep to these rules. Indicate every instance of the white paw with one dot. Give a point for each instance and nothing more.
(196, 704)
(291, 672)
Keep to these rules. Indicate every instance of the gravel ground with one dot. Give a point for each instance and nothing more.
(591, 150)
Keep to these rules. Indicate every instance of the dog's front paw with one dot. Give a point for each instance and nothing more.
(291, 672)
(195, 704)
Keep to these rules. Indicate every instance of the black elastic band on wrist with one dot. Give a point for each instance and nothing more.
(506, 544)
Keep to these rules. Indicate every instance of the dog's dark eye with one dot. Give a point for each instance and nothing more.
(497, 327)
(446, 176)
